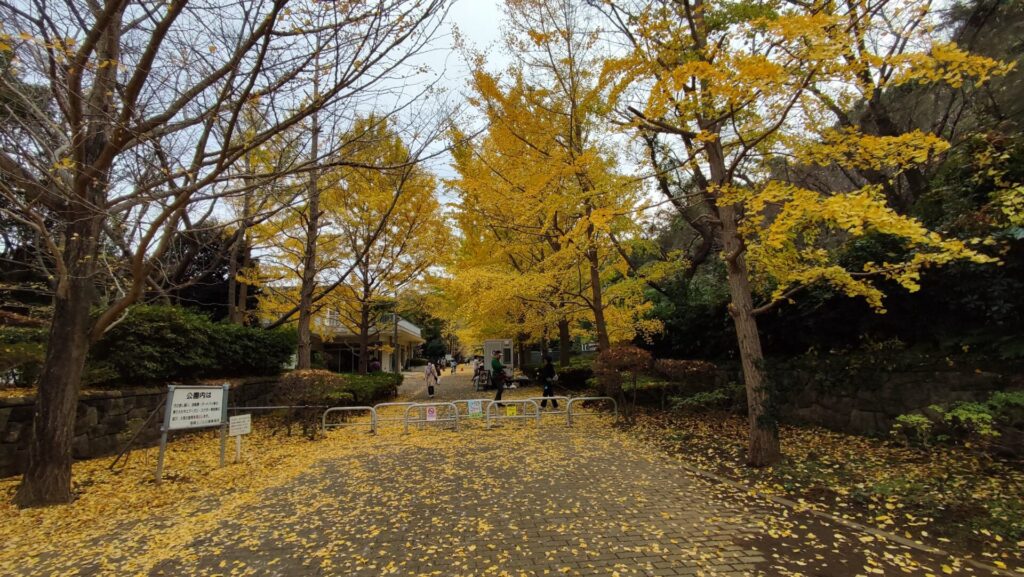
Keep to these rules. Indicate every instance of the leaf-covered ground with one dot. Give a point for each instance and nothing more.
(948, 497)
(516, 500)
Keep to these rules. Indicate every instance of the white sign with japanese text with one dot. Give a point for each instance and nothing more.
(431, 413)
(239, 425)
(196, 407)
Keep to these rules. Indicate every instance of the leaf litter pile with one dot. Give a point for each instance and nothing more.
(948, 497)
(515, 500)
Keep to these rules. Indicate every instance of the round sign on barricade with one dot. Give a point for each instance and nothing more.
(569, 407)
(432, 416)
(512, 414)
(373, 418)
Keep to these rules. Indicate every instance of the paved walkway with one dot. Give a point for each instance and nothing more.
(521, 500)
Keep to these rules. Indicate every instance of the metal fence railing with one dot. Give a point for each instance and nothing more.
(373, 418)
(511, 407)
(427, 416)
(574, 400)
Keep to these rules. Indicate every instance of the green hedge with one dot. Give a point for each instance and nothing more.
(156, 344)
(21, 355)
(318, 386)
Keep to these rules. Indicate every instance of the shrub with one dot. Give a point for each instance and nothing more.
(972, 420)
(374, 387)
(417, 362)
(615, 361)
(155, 344)
(913, 428)
(1007, 406)
(678, 370)
(313, 388)
(22, 351)
(731, 397)
(574, 378)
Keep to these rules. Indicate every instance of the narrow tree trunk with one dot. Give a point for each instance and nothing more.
(597, 303)
(564, 343)
(364, 338)
(305, 348)
(233, 282)
(238, 291)
(243, 288)
(763, 448)
(47, 478)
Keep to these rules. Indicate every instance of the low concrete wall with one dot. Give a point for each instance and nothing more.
(106, 420)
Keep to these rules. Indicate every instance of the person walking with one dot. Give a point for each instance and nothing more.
(498, 374)
(548, 376)
(430, 378)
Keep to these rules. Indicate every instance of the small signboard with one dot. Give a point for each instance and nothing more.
(431, 413)
(511, 410)
(239, 425)
(195, 407)
(476, 409)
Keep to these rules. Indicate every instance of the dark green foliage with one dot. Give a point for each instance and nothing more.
(717, 399)
(374, 387)
(997, 425)
(574, 378)
(21, 355)
(155, 344)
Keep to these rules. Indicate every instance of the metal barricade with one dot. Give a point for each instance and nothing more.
(372, 423)
(453, 412)
(459, 403)
(569, 413)
(380, 406)
(524, 402)
(558, 398)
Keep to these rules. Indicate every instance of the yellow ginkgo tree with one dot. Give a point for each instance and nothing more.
(540, 192)
(735, 90)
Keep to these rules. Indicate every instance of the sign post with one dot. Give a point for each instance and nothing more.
(193, 408)
(239, 425)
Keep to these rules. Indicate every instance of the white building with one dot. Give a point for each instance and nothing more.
(388, 342)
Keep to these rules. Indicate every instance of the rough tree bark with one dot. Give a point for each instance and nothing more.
(564, 343)
(597, 301)
(47, 478)
(763, 447)
(312, 215)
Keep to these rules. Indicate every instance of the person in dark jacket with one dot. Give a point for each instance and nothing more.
(547, 379)
(498, 374)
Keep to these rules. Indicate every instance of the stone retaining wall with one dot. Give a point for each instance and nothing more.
(871, 407)
(106, 420)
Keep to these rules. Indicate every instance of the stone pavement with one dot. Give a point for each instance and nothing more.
(525, 500)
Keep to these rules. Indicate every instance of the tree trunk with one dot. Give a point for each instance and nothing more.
(233, 282)
(763, 448)
(47, 478)
(564, 343)
(243, 288)
(305, 348)
(597, 304)
(239, 260)
(364, 338)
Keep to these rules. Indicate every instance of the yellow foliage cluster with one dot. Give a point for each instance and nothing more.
(794, 236)
(746, 89)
